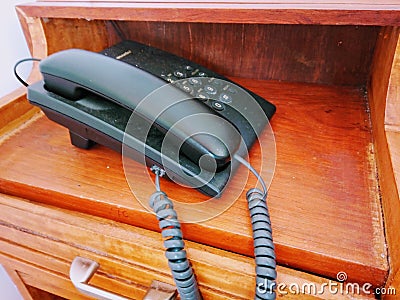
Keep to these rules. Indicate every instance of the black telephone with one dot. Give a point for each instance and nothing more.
(94, 95)
(209, 123)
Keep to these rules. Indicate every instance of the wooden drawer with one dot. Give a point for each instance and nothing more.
(41, 241)
(47, 239)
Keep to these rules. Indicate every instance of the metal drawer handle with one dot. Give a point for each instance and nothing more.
(81, 271)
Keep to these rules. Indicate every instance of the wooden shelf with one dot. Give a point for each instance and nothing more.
(324, 198)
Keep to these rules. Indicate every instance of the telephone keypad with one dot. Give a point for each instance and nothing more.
(208, 89)
(214, 90)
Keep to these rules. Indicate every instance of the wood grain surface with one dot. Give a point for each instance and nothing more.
(260, 12)
(337, 55)
(323, 199)
(381, 72)
(308, 53)
(392, 111)
(393, 139)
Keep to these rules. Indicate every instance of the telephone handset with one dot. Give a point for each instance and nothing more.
(72, 73)
(94, 94)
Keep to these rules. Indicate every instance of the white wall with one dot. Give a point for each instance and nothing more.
(8, 289)
(13, 47)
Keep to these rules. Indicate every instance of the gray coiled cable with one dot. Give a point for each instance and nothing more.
(264, 250)
(171, 231)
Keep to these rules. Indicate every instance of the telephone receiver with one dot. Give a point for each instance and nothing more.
(72, 73)
(95, 96)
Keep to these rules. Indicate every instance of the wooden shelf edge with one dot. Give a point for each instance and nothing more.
(12, 106)
(256, 13)
(34, 35)
(392, 111)
(14, 110)
(386, 141)
(242, 245)
(393, 140)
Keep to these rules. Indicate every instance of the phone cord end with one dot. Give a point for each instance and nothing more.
(181, 270)
(22, 81)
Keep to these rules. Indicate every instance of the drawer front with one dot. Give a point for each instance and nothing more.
(41, 242)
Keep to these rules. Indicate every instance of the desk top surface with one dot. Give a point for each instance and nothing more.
(324, 198)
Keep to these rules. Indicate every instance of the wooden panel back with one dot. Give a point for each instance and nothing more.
(337, 55)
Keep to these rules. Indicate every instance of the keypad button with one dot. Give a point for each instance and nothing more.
(225, 98)
(202, 96)
(187, 88)
(194, 81)
(232, 90)
(179, 74)
(210, 90)
(218, 105)
(188, 68)
(217, 81)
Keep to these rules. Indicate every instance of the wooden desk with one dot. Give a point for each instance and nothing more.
(333, 199)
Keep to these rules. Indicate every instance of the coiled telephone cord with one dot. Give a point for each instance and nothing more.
(171, 232)
(264, 250)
